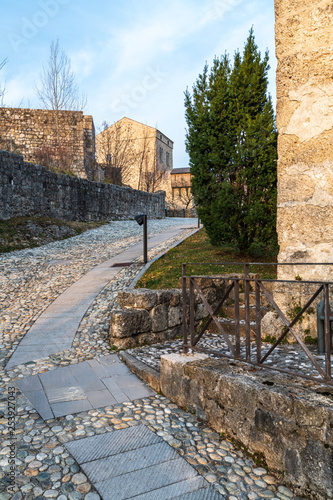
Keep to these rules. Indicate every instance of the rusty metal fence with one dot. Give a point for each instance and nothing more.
(192, 335)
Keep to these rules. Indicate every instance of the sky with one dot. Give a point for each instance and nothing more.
(131, 58)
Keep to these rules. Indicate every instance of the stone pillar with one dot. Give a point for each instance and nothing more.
(304, 49)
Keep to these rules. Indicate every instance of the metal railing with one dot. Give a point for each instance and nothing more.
(191, 336)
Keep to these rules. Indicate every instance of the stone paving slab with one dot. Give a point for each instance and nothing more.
(136, 463)
(100, 382)
(55, 329)
(194, 488)
(105, 445)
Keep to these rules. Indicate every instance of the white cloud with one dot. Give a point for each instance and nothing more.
(154, 37)
(20, 91)
(83, 62)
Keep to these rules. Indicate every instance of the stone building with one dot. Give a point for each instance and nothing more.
(181, 188)
(140, 154)
(37, 134)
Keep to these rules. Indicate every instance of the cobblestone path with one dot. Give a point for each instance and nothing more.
(46, 462)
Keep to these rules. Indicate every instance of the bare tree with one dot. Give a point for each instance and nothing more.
(59, 90)
(2, 87)
(151, 177)
(182, 196)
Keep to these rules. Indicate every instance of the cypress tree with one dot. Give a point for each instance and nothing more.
(231, 140)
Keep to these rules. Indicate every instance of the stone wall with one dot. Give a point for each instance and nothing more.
(35, 132)
(272, 415)
(148, 316)
(27, 189)
(304, 49)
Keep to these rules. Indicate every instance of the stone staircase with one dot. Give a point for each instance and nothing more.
(227, 314)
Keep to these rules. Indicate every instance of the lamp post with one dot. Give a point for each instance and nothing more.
(142, 220)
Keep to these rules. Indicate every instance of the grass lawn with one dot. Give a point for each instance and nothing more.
(166, 271)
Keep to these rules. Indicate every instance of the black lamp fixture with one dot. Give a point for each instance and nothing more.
(142, 220)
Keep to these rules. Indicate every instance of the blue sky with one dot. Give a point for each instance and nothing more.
(131, 58)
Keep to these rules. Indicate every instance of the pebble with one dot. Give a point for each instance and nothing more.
(260, 471)
(79, 479)
(285, 491)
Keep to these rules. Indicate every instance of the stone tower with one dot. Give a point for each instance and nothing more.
(304, 49)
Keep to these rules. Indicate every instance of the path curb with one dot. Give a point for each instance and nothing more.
(147, 266)
(146, 373)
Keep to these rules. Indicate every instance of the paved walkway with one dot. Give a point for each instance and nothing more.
(92, 384)
(55, 329)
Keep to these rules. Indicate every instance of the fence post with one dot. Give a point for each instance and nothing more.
(327, 333)
(192, 312)
(247, 311)
(237, 332)
(185, 343)
(258, 322)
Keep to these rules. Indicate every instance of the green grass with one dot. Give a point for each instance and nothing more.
(14, 236)
(166, 271)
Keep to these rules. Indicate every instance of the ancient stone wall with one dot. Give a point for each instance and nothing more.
(37, 132)
(27, 189)
(304, 49)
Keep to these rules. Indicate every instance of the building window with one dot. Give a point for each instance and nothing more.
(168, 159)
(161, 154)
(109, 158)
(161, 136)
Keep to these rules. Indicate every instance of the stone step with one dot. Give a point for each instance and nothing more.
(228, 312)
(229, 327)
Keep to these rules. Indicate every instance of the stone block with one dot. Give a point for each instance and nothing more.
(159, 315)
(164, 296)
(138, 299)
(175, 316)
(125, 323)
(176, 298)
(172, 374)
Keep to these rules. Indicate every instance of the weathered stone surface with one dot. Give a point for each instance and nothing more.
(176, 298)
(175, 316)
(126, 323)
(159, 315)
(304, 48)
(271, 325)
(270, 414)
(138, 299)
(146, 338)
(160, 311)
(27, 189)
(33, 132)
(165, 296)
